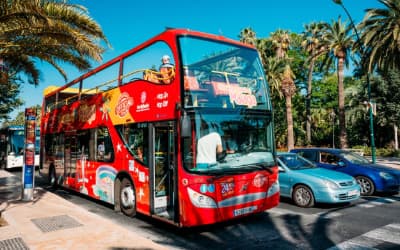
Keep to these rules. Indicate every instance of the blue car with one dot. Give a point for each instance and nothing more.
(306, 184)
(371, 177)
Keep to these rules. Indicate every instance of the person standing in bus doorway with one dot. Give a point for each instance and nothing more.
(166, 69)
(208, 146)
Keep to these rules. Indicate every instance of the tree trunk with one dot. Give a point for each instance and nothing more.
(342, 114)
(289, 118)
(308, 102)
(396, 141)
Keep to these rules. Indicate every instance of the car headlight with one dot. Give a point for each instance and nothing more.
(201, 200)
(386, 176)
(331, 184)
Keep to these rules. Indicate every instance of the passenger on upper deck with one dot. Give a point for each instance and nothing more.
(166, 69)
(166, 62)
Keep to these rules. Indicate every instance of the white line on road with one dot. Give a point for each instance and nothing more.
(389, 233)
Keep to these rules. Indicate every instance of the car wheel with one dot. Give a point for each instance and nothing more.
(367, 186)
(303, 196)
(128, 198)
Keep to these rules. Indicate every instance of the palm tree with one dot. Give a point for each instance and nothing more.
(280, 44)
(339, 41)
(274, 69)
(312, 43)
(248, 36)
(52, 31)
(381, 36)
(289, 89)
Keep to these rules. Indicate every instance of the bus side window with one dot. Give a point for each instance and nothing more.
(104, 150)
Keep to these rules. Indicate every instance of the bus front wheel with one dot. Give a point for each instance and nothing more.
(128, 198)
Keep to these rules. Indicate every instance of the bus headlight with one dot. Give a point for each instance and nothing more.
(273, 189)
(201, 200)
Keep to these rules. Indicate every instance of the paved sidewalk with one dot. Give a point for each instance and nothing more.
(51, 222)
(393, 162)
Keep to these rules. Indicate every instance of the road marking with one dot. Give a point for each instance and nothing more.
(282, 211)
(328, 214)
(370, 240)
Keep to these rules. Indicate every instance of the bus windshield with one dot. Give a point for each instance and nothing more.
(245, 137)
(17, 140)
(224, 75)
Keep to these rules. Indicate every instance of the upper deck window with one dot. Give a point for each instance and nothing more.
(150, 64)
(222, 75)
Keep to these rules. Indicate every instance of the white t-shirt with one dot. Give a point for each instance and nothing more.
(207, 148)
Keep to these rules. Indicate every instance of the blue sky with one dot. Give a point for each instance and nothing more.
(127, 23)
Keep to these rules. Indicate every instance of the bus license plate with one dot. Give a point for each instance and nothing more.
(244, 210)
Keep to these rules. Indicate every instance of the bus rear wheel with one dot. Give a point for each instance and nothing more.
(128, 198)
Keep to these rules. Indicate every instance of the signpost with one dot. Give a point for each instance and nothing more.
(28, 173)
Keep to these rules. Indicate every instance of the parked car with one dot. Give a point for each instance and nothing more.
(371, 177)
(306, 184)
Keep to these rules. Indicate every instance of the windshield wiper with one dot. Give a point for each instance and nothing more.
(265, 166)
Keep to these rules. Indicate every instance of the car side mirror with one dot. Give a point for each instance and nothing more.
(341, 164)
(281, 169)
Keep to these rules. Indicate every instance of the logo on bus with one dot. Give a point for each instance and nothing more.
(227, 188)
(143, 106)
(123, 105)
(259, 180)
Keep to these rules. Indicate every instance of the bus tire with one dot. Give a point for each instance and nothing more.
(52, 178)
(127, 196)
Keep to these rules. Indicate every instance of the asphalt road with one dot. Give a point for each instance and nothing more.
(284, 227)
(372, 222)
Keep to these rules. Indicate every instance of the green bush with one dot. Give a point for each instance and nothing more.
(385, 152)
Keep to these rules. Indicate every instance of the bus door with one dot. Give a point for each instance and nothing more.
(162, 170)
(70, 160)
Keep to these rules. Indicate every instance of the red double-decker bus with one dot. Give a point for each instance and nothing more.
(130, 131)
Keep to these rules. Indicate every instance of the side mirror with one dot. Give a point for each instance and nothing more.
(341, 164)
(281, 169)
(186, 127)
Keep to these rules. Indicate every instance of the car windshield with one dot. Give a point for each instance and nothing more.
(354, 158)
(295, 162)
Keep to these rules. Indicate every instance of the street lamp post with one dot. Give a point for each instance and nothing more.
(371, 116)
